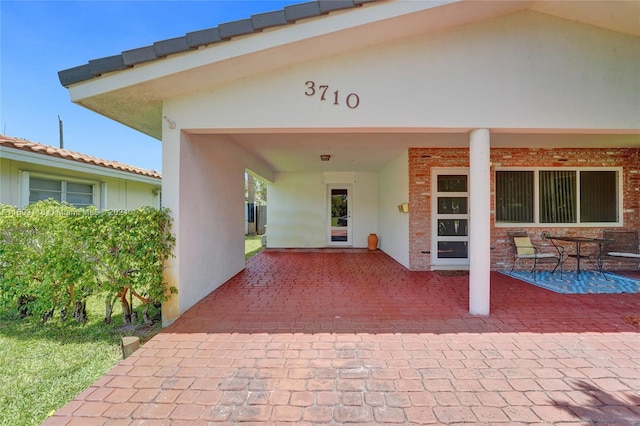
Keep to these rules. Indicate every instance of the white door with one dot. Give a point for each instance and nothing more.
(340, 219)
(450, 218)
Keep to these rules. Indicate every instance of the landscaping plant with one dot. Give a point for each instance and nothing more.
(132, 248)
(44, 266)
(53, 256)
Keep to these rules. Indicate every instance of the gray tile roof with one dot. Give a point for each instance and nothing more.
(193, 40)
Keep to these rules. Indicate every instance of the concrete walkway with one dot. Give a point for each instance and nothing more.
(354, 338)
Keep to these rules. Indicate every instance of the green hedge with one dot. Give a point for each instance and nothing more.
(54, 255)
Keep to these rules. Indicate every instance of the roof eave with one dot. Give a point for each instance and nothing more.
(16, 154)
(133, 95)
(194, 40)
(131, 89)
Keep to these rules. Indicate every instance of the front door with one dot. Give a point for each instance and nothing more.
(340, 223)
(450, 218)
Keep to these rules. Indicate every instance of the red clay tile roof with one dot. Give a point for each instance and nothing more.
(25, 145)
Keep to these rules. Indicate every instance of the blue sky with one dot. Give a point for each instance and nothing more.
(40, 38)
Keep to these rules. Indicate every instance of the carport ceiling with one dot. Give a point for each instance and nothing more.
(300, 152)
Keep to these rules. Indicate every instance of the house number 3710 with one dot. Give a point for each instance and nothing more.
(352, 100)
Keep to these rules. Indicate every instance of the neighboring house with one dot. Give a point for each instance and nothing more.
(481, 115)
(30, 172)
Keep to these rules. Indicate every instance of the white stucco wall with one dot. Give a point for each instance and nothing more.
(526, 70)
(298, 212)
(394, 226)
(366, 210)
(203, 186)
(211, 224)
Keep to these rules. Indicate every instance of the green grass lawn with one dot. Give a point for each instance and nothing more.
(43, 366)
(46, 365)
(252, 246)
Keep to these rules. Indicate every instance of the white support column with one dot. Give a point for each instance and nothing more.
(171, 151)
(479, 221)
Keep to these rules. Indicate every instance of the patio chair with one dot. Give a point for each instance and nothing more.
(524, 249)
(622, 246)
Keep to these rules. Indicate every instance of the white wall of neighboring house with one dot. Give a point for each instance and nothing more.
(6, 181)
(127, 195)
(114, 190)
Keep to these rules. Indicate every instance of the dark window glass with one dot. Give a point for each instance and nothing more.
(558, 196)
(514, 196)
(43, 189)
(78, 194)
(598, 196)
(452, 249)
(452, 183)
(452, 227)
(452, 205)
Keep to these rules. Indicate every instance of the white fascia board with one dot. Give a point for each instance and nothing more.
(253, 43)
(62, 163)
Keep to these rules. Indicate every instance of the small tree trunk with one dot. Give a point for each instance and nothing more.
(145, 315)
(23, 308)
(47, 315)
(126, 308)
(65, 310)
(109, 300)
(134, 314)
(80, 311)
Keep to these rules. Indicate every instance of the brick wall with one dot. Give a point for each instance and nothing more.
(421, 160)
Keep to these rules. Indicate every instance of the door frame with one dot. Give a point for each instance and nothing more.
(349, 188)
(447, 263)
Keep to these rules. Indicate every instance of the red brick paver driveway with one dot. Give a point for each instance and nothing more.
(344, 338)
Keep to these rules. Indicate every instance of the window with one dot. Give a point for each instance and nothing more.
(77, 193)
(560, 196)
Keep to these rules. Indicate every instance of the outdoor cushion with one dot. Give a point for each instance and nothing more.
(545, 255)
(524, 246)
(621, 254)
(537, 256)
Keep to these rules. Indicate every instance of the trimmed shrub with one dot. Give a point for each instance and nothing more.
(54, 255)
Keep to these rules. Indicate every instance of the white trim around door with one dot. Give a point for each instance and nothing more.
(450, 218)
(339, 214)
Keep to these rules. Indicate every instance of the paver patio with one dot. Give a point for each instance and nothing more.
(333, 337)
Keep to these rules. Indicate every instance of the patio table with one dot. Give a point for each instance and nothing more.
(578, 242)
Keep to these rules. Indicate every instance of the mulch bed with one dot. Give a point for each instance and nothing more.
(634, 320)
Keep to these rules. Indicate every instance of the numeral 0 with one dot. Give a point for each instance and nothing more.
(353, 101)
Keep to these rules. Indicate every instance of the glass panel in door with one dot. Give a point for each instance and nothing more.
(340, 216)
(451, 218)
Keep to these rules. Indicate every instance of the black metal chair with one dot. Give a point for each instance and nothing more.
(524, 249)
